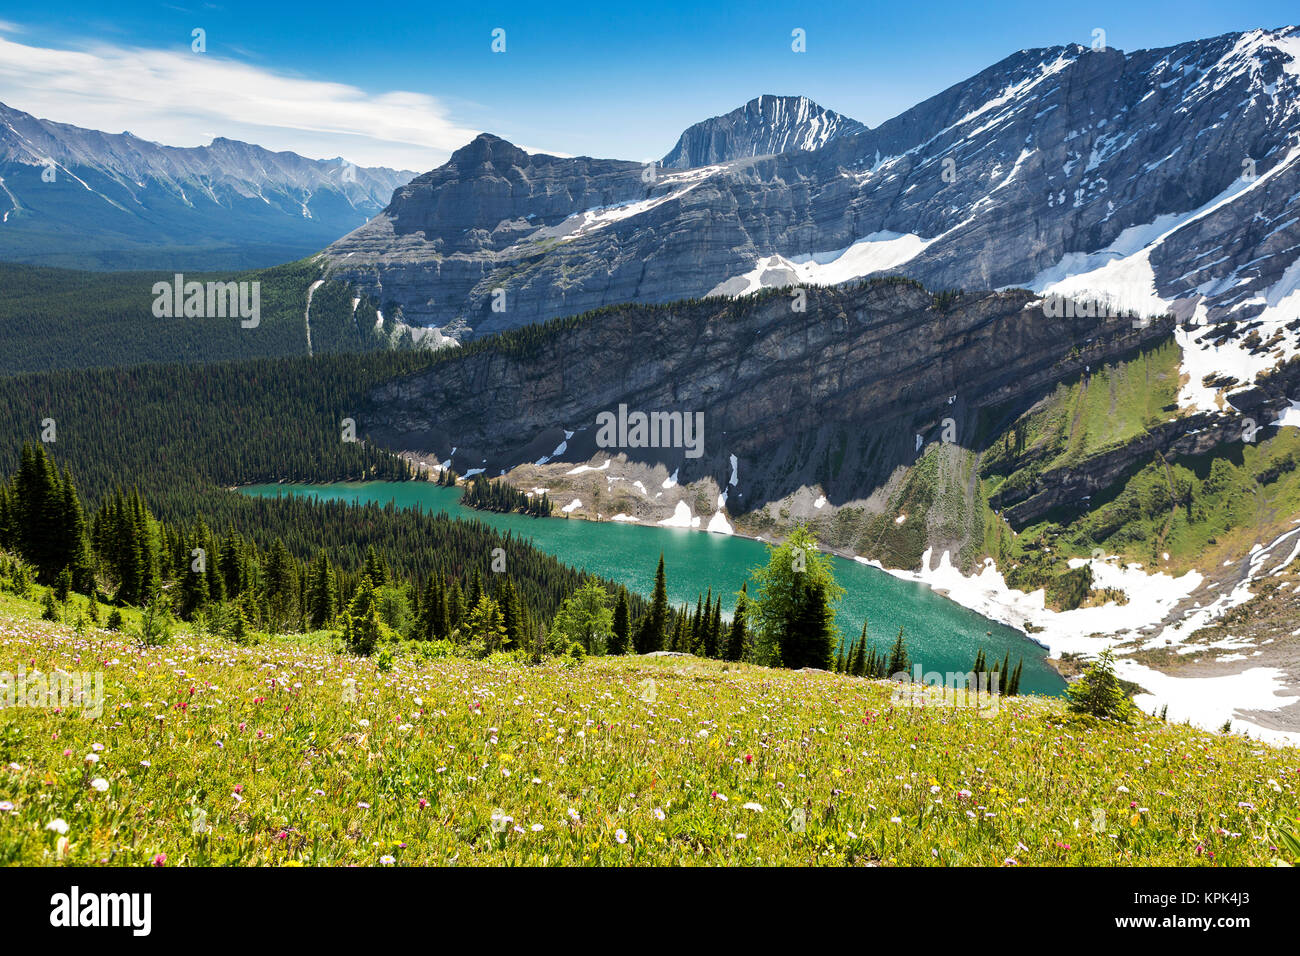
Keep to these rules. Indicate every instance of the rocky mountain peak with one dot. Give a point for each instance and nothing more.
(488, 150)
(765, 125)
(1153, 181)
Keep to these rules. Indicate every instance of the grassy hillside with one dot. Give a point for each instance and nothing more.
(287, 753)
(1087, 416)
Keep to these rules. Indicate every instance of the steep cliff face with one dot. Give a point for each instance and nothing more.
(1159, 180)
(838, 396)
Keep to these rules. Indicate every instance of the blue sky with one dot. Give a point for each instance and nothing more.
(404, 83)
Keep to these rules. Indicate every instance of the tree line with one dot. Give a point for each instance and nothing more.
(239, 584)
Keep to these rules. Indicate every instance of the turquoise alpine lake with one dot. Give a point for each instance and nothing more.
(941, 635)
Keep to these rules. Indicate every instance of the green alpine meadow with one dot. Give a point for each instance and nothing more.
(288, 752)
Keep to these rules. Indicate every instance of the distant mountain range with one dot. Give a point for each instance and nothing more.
(81, 198)
(1156, 181)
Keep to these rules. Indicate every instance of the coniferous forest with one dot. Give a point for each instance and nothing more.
(68, 319)
(501, 496)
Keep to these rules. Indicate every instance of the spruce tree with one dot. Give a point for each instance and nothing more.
(736, 636)
(794, 569)
(859, 666)
(321, 595)
(362, 628)
(697, 627)
(475, 590)
(231, 563)
(509, 602)
(809, 636)
(1013, 685)
(76, 544)
(1098, 692)
(679, 638)
(899, 663)
(375, 568)
(425, 628)
(715, 630)
(440, 625)
(618, 642)
(193, 591)
(49, 608)
(650, 636)
(455, 606)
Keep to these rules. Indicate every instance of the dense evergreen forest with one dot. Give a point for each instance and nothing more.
(180, 434)
(457, 582)
(67, 319)
(177, 430)
(500, 496)
(123, 554)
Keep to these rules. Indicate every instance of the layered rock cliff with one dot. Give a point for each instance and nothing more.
(837, 396)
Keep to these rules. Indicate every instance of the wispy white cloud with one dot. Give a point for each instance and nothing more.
(187, 99)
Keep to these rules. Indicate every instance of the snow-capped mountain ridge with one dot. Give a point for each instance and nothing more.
(130, 160)
(133, 196)
(1038, 170)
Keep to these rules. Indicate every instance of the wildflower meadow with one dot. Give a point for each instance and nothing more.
(290, 752)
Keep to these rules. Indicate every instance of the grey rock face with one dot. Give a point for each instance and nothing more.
(764, 126)
(74, 196)
(1181, 162)
(835, 396)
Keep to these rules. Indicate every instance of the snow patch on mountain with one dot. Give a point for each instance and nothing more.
(875, 252)
(589, 220)
(719, 524)
(1121, 275)
(1152, 597)
(682, 517)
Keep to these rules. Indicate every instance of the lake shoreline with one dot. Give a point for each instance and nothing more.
(845, 554)
(945, 634)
